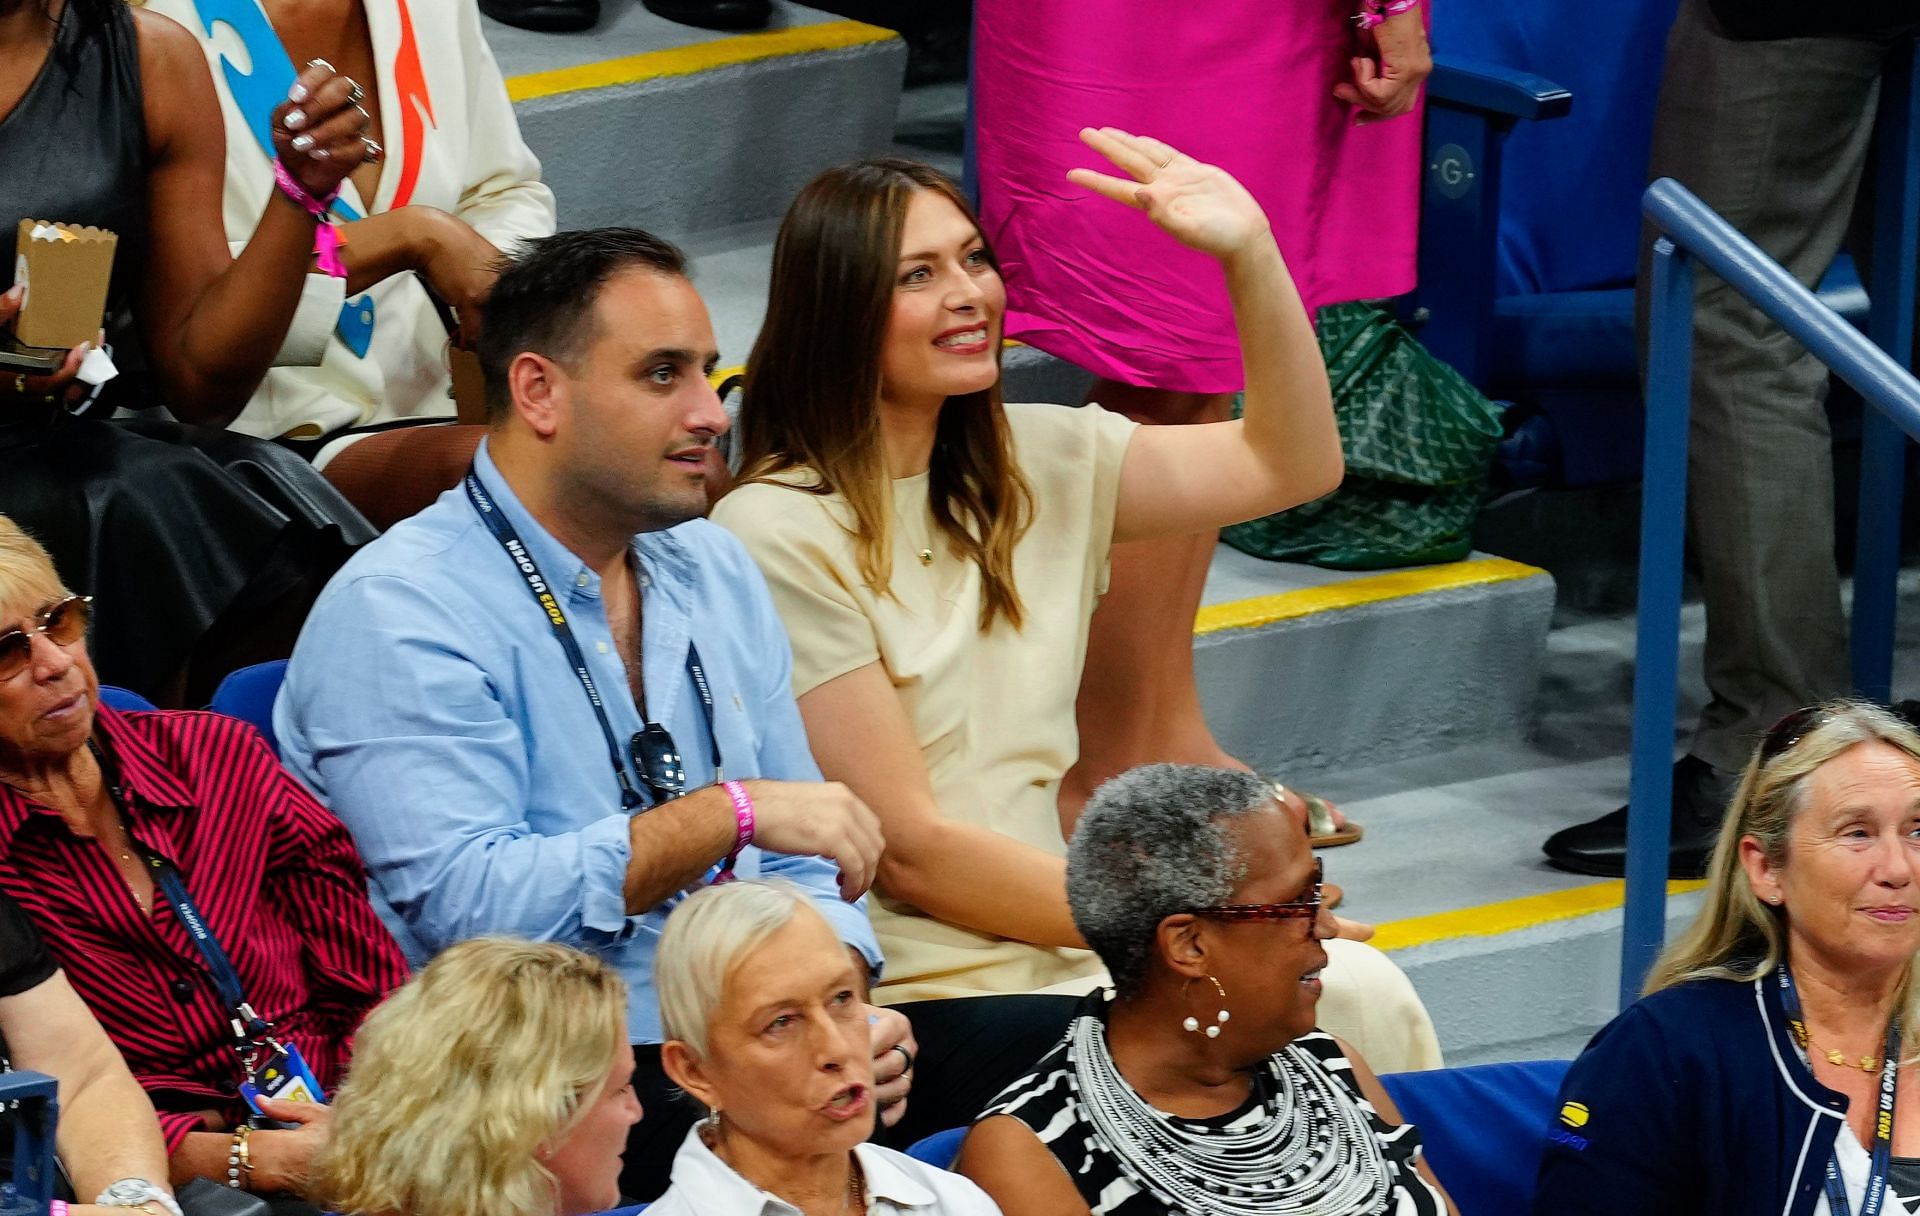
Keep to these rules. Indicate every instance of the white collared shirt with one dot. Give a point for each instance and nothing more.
(704, 1185)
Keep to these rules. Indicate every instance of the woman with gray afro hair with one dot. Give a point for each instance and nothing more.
(1199, 1083)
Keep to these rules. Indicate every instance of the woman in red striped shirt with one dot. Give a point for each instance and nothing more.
(103, 815)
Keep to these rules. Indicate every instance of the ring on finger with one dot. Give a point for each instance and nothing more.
(374, 151)
(1166, 162)
(355, 93)
(905, 1055)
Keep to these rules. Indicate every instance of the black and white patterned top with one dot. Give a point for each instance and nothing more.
(1329, 1153)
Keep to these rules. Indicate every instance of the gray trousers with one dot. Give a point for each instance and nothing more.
(1773, 136)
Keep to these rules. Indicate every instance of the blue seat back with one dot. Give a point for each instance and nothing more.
(248, 694)
(125, 700)
(31, 1096)
(1484, 1128)
(1570, 188)
(939, 1149)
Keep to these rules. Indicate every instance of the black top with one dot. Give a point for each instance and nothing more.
(24, 961)
(1765, 20)
(75, 151)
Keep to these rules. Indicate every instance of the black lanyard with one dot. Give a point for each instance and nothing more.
(1876, 1193)
(250, 1030)
(502, 530)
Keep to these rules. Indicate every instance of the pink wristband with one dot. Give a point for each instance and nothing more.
(326, 239)
(743, 827)
(56, 1207)
(1373, 12)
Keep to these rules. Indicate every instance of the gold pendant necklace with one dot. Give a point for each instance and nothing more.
(1867, 1064)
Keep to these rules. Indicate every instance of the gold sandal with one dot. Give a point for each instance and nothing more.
(1322, 831)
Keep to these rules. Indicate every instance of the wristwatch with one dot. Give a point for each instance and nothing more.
(138, 1193)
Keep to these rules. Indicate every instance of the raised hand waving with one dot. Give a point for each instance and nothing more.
(1198, 204)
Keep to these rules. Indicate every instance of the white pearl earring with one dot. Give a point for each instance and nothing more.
(1192, 1024)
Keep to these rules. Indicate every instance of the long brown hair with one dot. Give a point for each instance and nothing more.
(812, 394)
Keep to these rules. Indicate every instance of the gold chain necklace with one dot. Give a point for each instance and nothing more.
(1867, 1064)
(856, 1187)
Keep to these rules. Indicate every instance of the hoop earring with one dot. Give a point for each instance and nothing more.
(1192, 1024)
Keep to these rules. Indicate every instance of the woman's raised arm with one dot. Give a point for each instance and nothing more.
(1285, 450)
(213, 322)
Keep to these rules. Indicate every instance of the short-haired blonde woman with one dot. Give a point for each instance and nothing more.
(1769, 1068)
(496, 1082)
(765, 1028)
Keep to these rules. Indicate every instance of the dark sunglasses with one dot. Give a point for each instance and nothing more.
(64, 624)
(1299, 909)
(1789, 731)
(658, 758)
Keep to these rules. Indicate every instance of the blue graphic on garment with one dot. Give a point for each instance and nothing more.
(270, 74)
(355, 328)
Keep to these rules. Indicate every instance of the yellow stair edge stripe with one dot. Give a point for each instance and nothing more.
(1490, 920)
(700, 57)
(1288, 605)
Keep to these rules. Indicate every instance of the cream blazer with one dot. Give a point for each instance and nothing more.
(451, 142)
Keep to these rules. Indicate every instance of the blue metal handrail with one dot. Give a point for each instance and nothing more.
(1693, 232)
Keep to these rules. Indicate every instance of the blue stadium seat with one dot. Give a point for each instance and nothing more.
(939, 1149)
(248, 694)
(33, 1177)
(123, 699)
(1530, 229)
(1484, 1128)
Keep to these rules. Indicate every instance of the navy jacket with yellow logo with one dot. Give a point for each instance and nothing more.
(1693, 1102)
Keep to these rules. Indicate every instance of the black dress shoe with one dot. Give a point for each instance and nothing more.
(1701, 793)
(546, 16)
(714, 14)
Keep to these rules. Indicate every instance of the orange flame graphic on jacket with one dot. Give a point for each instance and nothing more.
(416, 107)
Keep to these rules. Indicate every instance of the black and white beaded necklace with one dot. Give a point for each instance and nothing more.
(1310, 1151)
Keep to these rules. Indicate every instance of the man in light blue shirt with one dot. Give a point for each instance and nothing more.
(433, 704)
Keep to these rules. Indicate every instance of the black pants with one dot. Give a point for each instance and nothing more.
(971, 1048)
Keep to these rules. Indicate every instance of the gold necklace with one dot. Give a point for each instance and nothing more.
(1867, 1064)
(856, 1187)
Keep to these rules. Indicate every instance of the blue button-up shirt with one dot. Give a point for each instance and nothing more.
(429, 704)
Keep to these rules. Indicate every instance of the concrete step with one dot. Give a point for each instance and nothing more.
(1515, 959)
(680, 131)
(1303, 668)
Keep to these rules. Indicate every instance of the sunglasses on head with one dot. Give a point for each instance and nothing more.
(1298, 909)
(1789, 731)
(64, 623)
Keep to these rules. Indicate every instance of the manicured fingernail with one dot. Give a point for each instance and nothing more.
(319, 154)
(298, 93)
(296, 119)
(302, 142)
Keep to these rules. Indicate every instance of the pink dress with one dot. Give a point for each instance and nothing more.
(1244, 84)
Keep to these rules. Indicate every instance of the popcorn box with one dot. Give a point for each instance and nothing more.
(65, 269)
